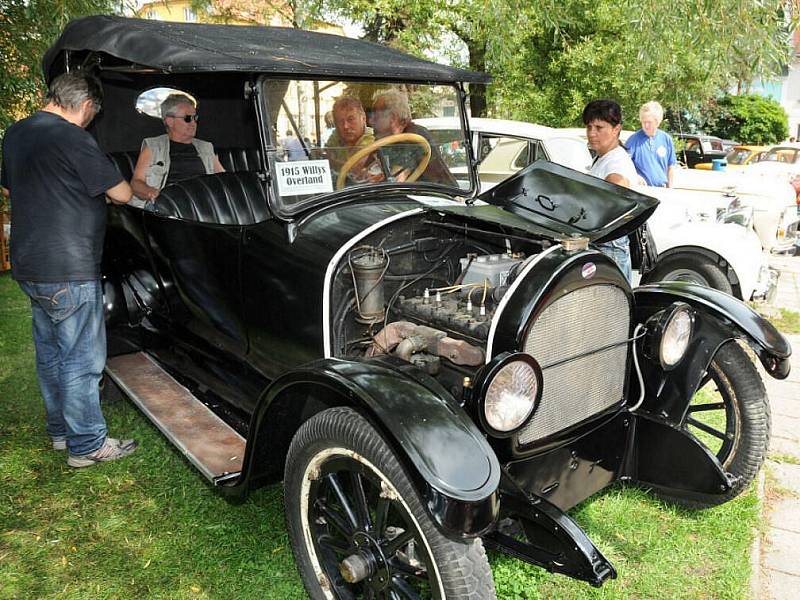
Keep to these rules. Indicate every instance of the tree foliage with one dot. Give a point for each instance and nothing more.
(680, 52)
(749, 119)
(27, 29)
(549, 57)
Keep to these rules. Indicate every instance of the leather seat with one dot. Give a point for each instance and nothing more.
(239, 159)
(125, 161)
(224, 198)
(232, 159)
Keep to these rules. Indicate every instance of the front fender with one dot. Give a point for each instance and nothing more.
(455, 469)
(771, 347)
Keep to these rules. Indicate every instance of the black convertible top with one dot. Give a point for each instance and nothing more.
(197, 47)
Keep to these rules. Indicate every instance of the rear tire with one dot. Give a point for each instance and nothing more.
(691, 268)
(347, 497)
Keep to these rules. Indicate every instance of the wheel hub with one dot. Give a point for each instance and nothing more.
(367, 563)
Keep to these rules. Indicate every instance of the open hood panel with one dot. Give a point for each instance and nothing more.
(568, 202)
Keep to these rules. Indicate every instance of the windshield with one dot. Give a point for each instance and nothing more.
(784, 155)
(329, 136)
(737, 156)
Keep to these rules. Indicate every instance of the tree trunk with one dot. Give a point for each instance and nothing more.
(477, 62)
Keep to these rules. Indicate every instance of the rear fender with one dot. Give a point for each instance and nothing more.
(454, 468)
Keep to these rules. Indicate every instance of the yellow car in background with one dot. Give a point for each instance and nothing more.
(738, 157)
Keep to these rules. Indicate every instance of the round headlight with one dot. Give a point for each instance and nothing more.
(511, 395)
(676, 335)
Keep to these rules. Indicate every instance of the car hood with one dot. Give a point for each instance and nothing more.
(569, 203)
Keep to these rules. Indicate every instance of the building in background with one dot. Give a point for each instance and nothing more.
(786, 89)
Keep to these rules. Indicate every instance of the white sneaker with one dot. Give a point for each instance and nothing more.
(59, 443)
(112, 449)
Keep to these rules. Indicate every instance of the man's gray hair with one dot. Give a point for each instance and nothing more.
(70, 90)
(173, 101)
(396, 102)
(652, 108)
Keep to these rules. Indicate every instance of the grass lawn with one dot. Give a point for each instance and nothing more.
(788, 321)
(150, 526)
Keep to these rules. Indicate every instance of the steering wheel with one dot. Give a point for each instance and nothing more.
(395, 138)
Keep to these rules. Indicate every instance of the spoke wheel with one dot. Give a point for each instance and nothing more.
(357, 525)
(730, 416)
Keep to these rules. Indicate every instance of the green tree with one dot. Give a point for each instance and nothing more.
(27, 28)
(549, 57)
(750, 119)
(680, 52)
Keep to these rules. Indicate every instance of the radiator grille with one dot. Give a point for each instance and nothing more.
(581, 321)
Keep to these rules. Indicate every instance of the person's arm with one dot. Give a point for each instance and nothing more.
(672, 161)
(618, 179)
(138, 183)
(5, 192)
(218, 168)
(120, 193)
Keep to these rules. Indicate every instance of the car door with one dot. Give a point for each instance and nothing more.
(502, 156)
(198, 267)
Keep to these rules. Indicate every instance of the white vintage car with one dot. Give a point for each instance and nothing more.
(771, 200)
(698, 242)
(767, 203)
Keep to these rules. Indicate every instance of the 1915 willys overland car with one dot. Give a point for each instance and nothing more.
(430, 372)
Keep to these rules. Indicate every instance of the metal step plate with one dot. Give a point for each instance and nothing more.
(207, 441)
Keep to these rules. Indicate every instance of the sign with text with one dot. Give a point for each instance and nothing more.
(303, 177)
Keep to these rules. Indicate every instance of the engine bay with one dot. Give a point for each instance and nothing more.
(425, 296)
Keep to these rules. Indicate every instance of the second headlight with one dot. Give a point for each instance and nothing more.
(669, 334)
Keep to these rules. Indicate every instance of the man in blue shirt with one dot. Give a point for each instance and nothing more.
(651, 149)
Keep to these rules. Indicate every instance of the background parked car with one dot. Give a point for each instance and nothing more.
(693, 149)
(737, 157)
(768, 205)
(772, 201)
(692, 244)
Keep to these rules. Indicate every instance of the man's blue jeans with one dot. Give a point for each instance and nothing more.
(70, 339)
(619, 250)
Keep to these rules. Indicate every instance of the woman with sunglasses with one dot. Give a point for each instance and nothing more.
(175, 155)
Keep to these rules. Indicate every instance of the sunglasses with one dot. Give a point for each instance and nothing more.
(187, 118)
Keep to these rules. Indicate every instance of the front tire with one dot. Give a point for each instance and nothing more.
(730, 416)
(357, 525)
(692, 269)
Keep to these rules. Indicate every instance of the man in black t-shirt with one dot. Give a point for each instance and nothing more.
(57, 178)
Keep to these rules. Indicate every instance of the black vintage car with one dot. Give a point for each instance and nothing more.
(430, 372)
(693, 149)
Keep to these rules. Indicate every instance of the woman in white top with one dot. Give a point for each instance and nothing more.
(603, 120)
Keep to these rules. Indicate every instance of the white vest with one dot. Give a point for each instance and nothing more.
(158, 169)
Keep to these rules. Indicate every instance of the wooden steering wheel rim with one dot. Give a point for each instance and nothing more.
(395, 138)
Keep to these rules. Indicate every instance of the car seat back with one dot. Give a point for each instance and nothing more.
(225, 198)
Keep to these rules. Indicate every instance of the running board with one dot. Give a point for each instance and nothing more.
(209, 443)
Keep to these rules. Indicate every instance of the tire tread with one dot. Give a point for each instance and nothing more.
(463, 566)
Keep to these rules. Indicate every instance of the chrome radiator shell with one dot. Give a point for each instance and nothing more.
(580, 379)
